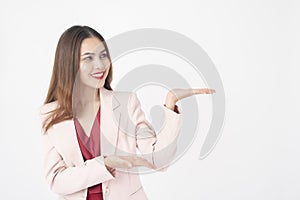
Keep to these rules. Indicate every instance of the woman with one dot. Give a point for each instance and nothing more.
(91, 133)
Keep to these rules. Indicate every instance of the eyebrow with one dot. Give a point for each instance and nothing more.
(89, 53)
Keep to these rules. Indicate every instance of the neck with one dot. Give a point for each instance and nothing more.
(89, 96)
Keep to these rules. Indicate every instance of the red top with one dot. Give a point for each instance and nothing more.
(90, 148)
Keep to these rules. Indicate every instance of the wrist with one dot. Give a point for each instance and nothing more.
(170, 102)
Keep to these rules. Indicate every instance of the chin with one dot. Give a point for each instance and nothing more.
(96, 85)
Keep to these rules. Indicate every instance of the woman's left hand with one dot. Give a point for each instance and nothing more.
(177, 94)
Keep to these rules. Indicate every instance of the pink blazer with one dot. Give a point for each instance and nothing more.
(124, 130)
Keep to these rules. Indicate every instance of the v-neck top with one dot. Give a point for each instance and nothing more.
(90, 148)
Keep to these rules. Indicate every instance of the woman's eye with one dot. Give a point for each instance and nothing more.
(89, 58)
(103, 55)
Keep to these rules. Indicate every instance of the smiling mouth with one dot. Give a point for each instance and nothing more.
(98, 75)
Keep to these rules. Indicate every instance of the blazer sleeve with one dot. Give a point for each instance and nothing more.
(158, 148)
(64, 179)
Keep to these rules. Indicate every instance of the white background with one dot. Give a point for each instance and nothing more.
(254, 45)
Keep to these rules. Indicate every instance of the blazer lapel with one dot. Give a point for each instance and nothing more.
(110, 117)
(65, 139)
(64, 133)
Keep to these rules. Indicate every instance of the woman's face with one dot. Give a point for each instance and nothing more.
(94, 63)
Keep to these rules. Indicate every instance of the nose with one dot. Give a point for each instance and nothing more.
(98, 64)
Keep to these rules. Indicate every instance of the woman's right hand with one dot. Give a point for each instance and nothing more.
(127, 162)
(113, 161)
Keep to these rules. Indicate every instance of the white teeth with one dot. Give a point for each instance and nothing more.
(97, 75)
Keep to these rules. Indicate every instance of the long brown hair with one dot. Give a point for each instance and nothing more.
(66, 64)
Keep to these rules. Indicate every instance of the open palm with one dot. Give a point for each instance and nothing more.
(177, 94)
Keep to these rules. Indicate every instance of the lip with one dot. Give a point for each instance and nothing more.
(96, 75)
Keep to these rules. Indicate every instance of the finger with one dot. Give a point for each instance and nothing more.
(123, 163)
(208, 91)
(211, 91)
(138, 161)
(203, 91)
(149, 165)
(111, 169)
(113, 172)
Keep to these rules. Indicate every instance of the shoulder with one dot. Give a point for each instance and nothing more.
(122, 93)
(127, 100)
(123, 96)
